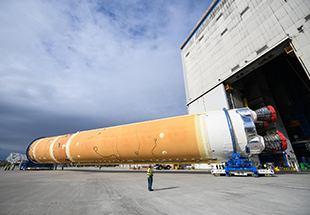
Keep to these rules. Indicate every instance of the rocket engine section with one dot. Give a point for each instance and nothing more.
(192, 138)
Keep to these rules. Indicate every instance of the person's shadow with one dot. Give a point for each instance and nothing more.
(166, 188)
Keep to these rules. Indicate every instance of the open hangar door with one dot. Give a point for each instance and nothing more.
(277, 79)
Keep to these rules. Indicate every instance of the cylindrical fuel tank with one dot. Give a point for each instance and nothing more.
(204, 137)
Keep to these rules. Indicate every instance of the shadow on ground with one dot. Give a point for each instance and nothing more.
(166, 188)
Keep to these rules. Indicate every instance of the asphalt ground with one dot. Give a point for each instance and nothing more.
(106, 191)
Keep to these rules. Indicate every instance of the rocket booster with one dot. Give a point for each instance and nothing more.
(203, 137)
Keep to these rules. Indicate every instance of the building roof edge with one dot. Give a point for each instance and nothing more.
(205, 15)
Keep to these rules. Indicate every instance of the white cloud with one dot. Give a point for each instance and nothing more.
(106, 60)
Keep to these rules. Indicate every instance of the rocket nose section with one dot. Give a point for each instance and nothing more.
(29, 150)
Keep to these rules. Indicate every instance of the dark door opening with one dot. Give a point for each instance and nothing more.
(281, 82)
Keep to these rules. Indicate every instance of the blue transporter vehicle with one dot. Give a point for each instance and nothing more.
(240, 166)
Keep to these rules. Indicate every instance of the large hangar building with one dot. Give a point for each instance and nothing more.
(254, 53)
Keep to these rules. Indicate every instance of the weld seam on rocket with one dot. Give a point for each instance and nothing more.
(68, 147)
(51, 150)
(34, 149)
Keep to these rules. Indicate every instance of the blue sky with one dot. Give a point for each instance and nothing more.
(68, 66)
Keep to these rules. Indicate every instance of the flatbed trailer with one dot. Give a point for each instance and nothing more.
(260, 172)
(28, 165)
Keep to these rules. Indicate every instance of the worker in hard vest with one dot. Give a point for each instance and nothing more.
(150, 177)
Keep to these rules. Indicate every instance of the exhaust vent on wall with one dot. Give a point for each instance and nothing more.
(235, 67)
(224, 32)
(219, 17)
(261, 49)
(245, 9)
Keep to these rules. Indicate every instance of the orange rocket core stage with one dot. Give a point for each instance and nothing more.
(206, 137)
(166, 140)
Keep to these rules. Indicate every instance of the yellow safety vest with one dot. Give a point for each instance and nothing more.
(149, 172)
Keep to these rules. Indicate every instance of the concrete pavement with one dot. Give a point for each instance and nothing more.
(93, 191)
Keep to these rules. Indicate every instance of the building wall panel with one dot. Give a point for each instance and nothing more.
(236, 33)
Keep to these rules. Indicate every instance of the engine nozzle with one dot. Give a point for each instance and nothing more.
(275, 142)
(267, 114)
